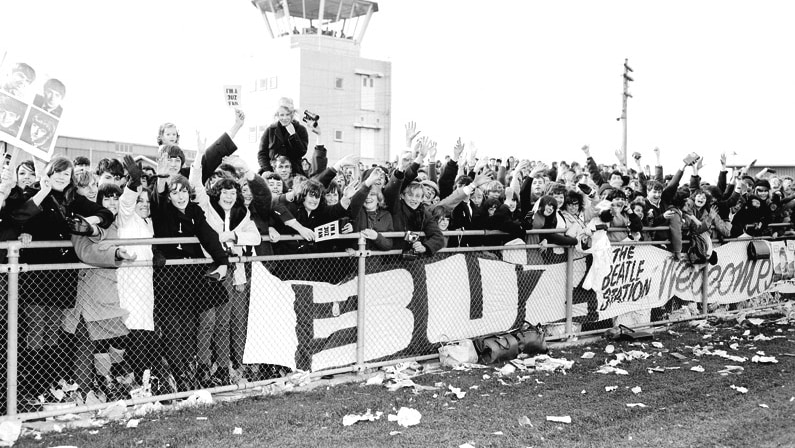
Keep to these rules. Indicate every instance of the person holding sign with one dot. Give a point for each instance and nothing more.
(285, 137)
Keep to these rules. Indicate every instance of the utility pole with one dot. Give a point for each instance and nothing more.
(627, 80)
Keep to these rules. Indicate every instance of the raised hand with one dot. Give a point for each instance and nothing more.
(134, 172)
(587, 150)
(369, 234)
(201, 143)
(481, 179)
(458, 149)
(432, 150)
(348, 160)
(411, 133)
(723, 161)
(373, 178)
(307, 234)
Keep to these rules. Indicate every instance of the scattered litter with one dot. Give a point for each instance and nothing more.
(764, 359)
(736, 370)
(761, 337)
(539, 381)
(655, 369)
(507, 369)
(113, 412)
(456, 391)
(636, 405)
(350, 419)
(133, 422)
(564, 419)
(546, 363)
(583, 392)
(747, 333)
(610, 369)
(475, 386)
(498, 433)
(678, 356)
(762, 405)
(198, 398)
(588, 355)
(741, 390)
(636, 390)
(237, 431)
(657, 344)
(10, 430)
(610, 349)
(201, 418)
(394, 433)
(524, 421)
(610, 388)
(375, 380)
(697, 369)
(406, 417)
(486, 377)
(756, 321)
(466, 445)
(734, 346)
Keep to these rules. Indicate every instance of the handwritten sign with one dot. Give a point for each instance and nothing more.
(627, 280)
(328, 231)
(232, 94)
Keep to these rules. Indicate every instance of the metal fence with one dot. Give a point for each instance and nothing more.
(110, 331)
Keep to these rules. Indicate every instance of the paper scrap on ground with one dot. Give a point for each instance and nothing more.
(764, 359)
(524, 421)
(762, 405)
(350, 419)
(375, 380)
(636, 405)
(456, 391)
(610, 388)
(657, 344)
(10, 430)
(610, 349)
(497, 433)
(741, 390)
(588, 355)
(697, 369)
(394, 433)
(406, 417)
(133, 423)
(636, 390)
(466, 445)
(507, 369)
(563, 419)
(237, 431)
(546, 363)
(609, 369)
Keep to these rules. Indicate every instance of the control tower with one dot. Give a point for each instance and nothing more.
(312, 54)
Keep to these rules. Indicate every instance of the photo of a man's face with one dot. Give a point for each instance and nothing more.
(11, 113)
(39, 129)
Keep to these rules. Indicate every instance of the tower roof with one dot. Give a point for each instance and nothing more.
(309, 9)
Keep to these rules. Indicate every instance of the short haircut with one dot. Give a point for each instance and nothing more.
(179, 181)
(162, 131)
(616, 194)
(227, 183)
(108, 190)
(21, 67)
(173, 151)
(84, 179)
(82, 160)
(655, 186)
(56, 85)
(311, 186)
(112, 166)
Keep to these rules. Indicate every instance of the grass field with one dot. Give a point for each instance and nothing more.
(683, 407)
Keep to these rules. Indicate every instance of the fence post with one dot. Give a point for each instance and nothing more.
(569, 287)
(704, 289)
(360, 303)
(13, 326)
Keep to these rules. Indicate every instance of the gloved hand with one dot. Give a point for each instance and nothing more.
(158, 260)
(79, 226)
(134, 173)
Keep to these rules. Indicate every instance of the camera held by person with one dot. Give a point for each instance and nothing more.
(311, 118)
(408, 249)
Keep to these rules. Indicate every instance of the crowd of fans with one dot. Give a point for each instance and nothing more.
(186, 324)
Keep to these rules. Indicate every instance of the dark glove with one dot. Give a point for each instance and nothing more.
(158, 260)
(79, 226)
(134, 173)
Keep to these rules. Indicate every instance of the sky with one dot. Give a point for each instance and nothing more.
(532, 79)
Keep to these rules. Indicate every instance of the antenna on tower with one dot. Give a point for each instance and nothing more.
(626, 94)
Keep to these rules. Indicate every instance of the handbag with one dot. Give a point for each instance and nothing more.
(497, 347)
(452, 354)
(532, 339)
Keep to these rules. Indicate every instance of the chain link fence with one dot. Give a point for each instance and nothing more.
(97, 335)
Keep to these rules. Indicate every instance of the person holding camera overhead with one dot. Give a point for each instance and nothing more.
(285, 137)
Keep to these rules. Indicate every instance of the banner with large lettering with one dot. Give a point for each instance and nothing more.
(412, 305)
